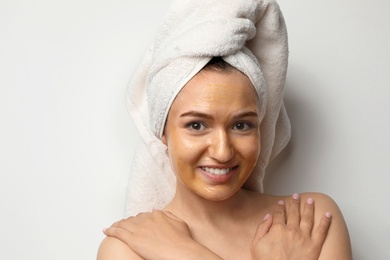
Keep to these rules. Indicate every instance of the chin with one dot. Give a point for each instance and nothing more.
(217, 195)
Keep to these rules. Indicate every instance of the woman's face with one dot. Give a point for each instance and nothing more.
(212, 133)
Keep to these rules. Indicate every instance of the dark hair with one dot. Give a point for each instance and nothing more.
(218, 64)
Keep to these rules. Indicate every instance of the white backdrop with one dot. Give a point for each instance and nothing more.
(66, 141)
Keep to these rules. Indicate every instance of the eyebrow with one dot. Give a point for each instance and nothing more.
(193, 113)
(246, 114)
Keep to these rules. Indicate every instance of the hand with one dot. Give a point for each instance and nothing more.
(290, 238)
(158, 235)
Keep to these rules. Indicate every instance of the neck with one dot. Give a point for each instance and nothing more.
(191, 207)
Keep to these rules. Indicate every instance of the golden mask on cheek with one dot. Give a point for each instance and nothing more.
(213, 133)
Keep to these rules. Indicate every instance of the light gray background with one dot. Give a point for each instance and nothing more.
(67, 141)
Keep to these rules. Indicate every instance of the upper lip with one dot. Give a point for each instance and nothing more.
(220, 166)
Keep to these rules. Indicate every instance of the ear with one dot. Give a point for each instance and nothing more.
(164, 139)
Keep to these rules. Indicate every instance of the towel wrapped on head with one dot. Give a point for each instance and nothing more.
(251, 36)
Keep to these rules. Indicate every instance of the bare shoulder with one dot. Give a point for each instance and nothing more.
(337, 244)
(323, 203)
(112, 248)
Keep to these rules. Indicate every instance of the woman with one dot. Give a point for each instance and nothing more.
(217, 122)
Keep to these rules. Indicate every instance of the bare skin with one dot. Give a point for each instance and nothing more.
(230, 241)
(213, 125)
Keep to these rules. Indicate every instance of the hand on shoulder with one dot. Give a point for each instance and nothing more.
(337, 245)
(306, 226)
(152, 235)
(289, 232)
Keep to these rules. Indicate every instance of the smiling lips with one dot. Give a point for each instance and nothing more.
(217, 171)
(218, 175)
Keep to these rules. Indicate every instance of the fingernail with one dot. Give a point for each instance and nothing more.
(104, 230)
(295, 196)
(328, 215)
(266, 216)
(281, 202)
(309, 201)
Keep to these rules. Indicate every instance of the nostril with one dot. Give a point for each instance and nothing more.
(222, 153)
(220, 148)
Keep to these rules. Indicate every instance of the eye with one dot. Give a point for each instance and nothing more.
(196, 126)
(242, 126)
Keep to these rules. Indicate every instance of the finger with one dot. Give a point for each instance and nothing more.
(293, 214)
(263, 228)
(322, 230)
(279, 216)
(134, 219)
(120, 222)
(128, 224)
(122, 234)
(307, 220)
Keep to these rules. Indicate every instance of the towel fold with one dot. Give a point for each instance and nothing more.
(251, 36)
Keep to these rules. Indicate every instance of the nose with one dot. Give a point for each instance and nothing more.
(221, 148)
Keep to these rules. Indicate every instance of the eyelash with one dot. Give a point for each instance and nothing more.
(191, 125)
(199, 126)
(247, 126)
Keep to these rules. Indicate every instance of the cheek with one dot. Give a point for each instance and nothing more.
(183, 152)
(250, 149)
(253, 154)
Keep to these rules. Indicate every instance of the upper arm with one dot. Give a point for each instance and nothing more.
(337, 243)
(114, 249)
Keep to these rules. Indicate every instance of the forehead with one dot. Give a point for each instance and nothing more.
(217, 87)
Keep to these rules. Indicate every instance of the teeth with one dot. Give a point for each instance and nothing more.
(216, 171)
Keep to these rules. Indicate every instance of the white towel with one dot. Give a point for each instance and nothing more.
(248, 34)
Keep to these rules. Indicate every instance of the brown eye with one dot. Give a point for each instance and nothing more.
(242, 126)
(197, 126)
